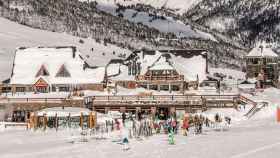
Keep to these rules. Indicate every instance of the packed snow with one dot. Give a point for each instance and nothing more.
(256, 138)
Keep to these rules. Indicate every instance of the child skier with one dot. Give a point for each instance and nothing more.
(171, 140)
(125, 144)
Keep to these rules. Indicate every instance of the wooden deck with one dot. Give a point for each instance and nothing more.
(177, 101)
(132, 102)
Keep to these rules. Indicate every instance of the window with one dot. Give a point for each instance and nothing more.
(63, 72)
(20, 89)
(42, 71)
(64, 89)
(6, 89)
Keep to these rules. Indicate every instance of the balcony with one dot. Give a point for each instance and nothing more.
(160, 78)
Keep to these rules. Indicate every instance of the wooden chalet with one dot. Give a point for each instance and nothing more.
(163, 70)
(52, 69)
(262, 63)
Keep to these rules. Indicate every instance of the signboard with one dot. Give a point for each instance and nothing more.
(41, 83)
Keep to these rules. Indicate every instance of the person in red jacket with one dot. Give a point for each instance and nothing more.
(185, 126)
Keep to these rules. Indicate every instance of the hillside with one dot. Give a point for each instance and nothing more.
(130, 27)
(14, 35)
(246, 21)
(176, 6)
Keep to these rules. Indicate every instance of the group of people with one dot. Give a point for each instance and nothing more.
(146, 125)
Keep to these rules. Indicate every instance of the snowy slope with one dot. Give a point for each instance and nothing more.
(179, 6)
(164, 25)
(13, 35)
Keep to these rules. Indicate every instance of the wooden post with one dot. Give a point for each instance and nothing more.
(81, 120)
(69, 121)
(153, 112)
(137, 109)
(56, 122)
(235, 103)
(45, 122)
(35, 121)
(107, 109)
(31, 121)
(90, 120)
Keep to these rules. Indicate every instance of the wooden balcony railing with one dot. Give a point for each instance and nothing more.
(160, 78)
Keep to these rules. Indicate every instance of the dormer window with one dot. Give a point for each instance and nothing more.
(63, 72)
(42, 71)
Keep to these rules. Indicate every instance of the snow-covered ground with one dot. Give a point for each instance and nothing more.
(250, 139)
(257, 137)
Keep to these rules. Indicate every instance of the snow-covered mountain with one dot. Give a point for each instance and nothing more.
(133, 27)
(177, 6)
(246, 21)
(151, 19)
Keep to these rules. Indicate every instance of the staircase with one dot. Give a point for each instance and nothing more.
(256, 106)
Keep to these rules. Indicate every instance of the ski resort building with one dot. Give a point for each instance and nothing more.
(167, 70)
(53, 69)
(262, 63)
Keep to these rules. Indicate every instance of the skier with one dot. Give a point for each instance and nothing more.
(171, 140)
(117, 124)
(174, 125)
(123, 118)
(185, 126)
(125, 144)
(207, 122)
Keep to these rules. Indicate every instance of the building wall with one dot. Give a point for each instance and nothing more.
(94, 87)
(24, 106)
(30, 88)
(127, 84)
(254, 66)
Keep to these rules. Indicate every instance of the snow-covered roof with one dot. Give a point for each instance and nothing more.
(161, 64)
(114, 69)
(247, 86)
(262, 51)
(190, 66)
(52, 61)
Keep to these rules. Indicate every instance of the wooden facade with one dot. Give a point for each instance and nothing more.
(265, 69)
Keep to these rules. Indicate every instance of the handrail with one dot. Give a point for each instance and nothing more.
(35, 99)
(159, 97)
(247, 100)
